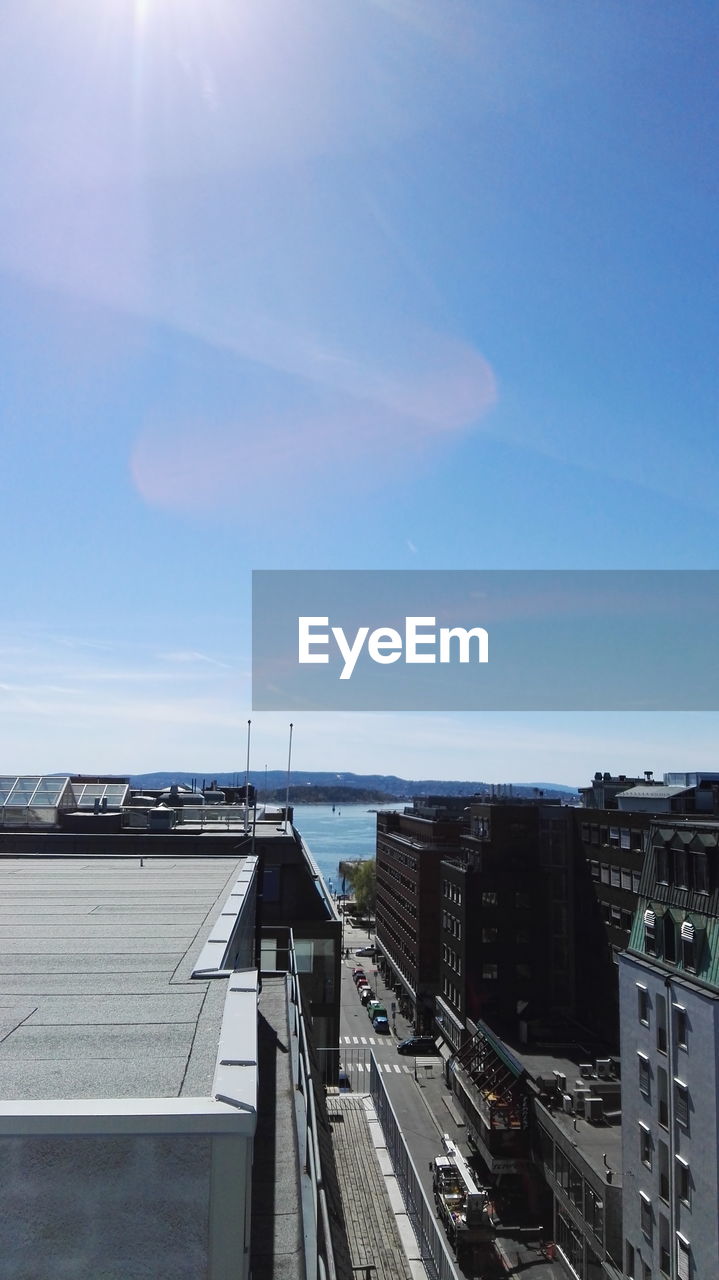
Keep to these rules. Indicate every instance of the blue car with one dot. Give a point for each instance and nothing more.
(381, 1024)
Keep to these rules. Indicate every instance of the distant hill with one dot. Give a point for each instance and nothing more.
(381, 786)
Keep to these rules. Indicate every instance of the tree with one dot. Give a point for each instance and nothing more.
(363, 879)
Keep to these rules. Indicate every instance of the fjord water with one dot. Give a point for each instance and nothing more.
(349, 832)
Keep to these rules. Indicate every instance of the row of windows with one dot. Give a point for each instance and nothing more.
(681, 1094)
(388, 851)
(681, 1022)
(581, 1194)
(452, 924)
(387, 869)
(684, 868)
(682, 1247)
(451, 992)
(674, 941)
(452, 891)
(682, 1175)
(452, 958)
(619, 917)
(617, 877)
(521, 901)
(616, 837)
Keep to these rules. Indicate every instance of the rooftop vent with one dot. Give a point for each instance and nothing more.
(594, 1110)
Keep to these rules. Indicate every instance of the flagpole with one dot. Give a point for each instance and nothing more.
(247, 775)
(287, 793)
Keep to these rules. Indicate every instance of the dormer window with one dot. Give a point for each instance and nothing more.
(650, 932)
(688, 946)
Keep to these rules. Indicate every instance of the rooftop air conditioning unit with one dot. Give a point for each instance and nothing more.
(604, 1068)
(560, 1081)
(594, 1110)
(586, 1070)
(580, 1098)
(567, 1104)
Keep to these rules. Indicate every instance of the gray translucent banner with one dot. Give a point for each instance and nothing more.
(495, 640)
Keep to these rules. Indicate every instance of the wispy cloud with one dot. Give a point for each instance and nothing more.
(192, 656)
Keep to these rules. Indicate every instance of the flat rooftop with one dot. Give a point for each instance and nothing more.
(96, 956)
(593, 1141)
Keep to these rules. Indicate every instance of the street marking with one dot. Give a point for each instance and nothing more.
(355, 1040)
(397, 1068)
(363, 1039)
(372, 1041)
(388, 1067)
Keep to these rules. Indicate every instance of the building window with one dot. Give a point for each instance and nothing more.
(663, 1097)
(683, 1258)
(615, 877)
(643, 1062)
(650, 932)
(661, 1009)
(636, 877)
(682, 1180)
(681, 1016)
(489, 935)
(701, 880)
(625, 840)
(626, 878)
(664, 1257)
(594, 868)
(645, 1214)
(646, 1271)
(681, 1107)
(605, 873)
(522, 900)
(670, 938)
(664, 1172)
(630, 1261)
(680, 868)
(489, 972)
(688, 946)
(489, 899)
(645, 1145)
(643, 1005)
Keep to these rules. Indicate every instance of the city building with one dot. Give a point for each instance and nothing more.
(165, 996)
(669, 1022)
(410, 847)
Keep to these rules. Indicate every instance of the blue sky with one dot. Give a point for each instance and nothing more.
(299, 284)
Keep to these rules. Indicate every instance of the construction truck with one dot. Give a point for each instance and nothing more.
(465, 1208)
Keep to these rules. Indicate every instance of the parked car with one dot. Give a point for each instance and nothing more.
(366, 994)
(344, 1081)
(375, 1009)
(366, 951)
(380, 1022)
(417, 1044)
(357, 973)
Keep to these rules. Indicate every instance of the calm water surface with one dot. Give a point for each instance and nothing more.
(349, 832)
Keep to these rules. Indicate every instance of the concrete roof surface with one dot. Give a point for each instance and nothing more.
(96, 957)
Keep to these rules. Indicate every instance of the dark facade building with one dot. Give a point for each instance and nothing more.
(410, 848)
(506, 924)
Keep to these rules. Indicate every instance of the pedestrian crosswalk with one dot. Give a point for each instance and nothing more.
(356, 1056)
(387, 1067)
